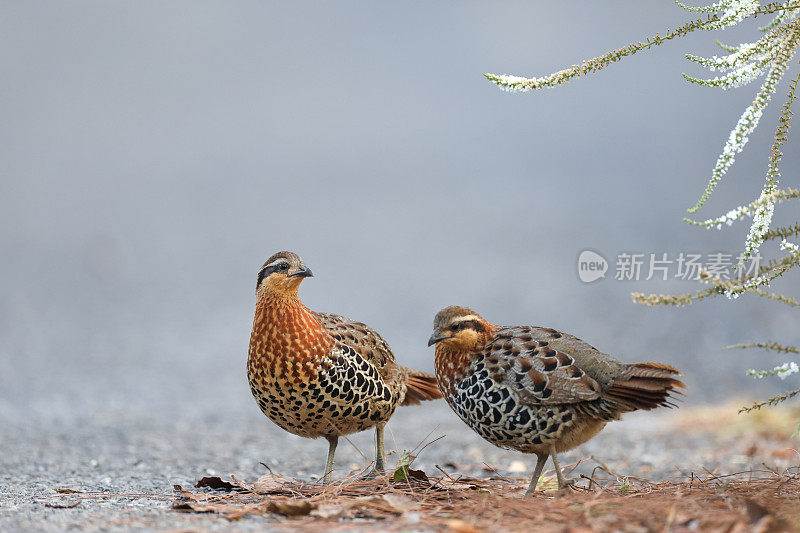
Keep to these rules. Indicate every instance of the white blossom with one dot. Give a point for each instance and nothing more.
(740, 134)
(786, 245)
(783, 15)
(733, 12)
(760, 50)
(761, 222)
(513, 84)
(713, 8)
(787, 370)
(782, 371)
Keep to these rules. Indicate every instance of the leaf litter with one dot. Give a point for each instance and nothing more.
(758, 501)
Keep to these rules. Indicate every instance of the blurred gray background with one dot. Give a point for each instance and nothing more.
(154, 154)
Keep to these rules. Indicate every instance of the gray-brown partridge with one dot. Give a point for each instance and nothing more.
(535, 389)
(319, 374)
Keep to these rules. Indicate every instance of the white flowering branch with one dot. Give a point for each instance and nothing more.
(513, 83)
(733, 12)
(773, 346)
(768, 44)
(791, 260)
(763, 215)
(781, 17)
(741, 132)
(768, 57)
(745, 66)
(782, 371)
(746, 210)
(783, 232)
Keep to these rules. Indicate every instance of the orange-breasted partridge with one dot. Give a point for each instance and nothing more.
(535, 389)
(319, 374)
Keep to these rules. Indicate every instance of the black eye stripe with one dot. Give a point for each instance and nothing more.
(261, 275)
(469, 324)
(267, 270)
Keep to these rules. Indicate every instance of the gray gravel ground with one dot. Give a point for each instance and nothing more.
(116, 455)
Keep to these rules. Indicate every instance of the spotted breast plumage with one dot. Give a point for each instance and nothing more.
(535, 389)
(320, 374)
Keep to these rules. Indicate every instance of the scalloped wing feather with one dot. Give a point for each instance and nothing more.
(361, 338)
(367, 343)
(538, 373)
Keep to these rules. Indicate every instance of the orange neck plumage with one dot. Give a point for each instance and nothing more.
(452, 358)
(287, 337)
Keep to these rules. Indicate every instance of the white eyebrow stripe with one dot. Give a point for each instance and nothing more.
(466, 318)
(274, 263)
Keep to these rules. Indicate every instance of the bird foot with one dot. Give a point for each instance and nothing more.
(567, 484)
(565, 487)
(373, 473)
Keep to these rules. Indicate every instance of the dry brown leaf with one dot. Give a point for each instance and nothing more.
(397, 504)
(368, 505)
(328, 510)
(400, 502)
(737, 527)
(289, 507)
(196, 502)
(196, 507)
(409, 474)
(272, 482)
(66, 503)
(460, 526)
(216, 483)
(764, 525)
(755, 511)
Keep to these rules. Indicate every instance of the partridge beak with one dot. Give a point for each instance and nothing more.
(304, 272)
(436, 337)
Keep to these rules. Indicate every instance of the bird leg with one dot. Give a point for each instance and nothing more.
(379, 452)
(379, 466)
(541, 458)
(562, 484)
(332, 442)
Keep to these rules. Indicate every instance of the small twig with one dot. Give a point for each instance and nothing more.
(493, 469)
(412, 452)
(431, 442)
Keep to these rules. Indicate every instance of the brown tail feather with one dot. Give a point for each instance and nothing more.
(420, 387)
(645, 386)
